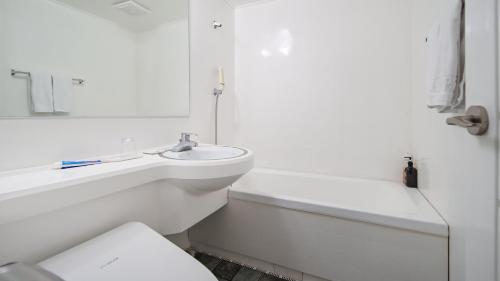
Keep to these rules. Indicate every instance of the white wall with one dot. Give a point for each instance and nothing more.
(30, 142)
(457, 170)
(324, 87)
(49, 37)
(163, 70)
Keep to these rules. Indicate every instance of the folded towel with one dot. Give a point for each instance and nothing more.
(63, 93)
(41, 92)
(444, 60)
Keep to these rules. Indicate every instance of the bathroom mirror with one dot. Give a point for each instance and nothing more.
(94, 58)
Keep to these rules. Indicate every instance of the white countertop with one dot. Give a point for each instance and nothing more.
(39, 179)
(27, 192)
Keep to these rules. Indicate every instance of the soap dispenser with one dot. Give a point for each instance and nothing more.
(410, 174)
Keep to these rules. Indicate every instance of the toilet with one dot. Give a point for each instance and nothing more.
(130, 252)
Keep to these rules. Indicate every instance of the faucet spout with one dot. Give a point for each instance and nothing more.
(185, 143)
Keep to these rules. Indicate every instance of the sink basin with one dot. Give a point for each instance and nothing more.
(208, 168)
(206, 153)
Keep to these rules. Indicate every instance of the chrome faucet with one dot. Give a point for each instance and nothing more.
(185, 143)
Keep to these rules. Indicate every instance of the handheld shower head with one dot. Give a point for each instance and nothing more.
(221, 76)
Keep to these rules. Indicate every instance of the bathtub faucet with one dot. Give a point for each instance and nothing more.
(185, 143)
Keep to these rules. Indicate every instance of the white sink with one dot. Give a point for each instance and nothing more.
(206, 153)
(208, 168)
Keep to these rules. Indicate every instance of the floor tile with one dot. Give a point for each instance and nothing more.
(229, 271)
(226, 270)
(209, 261)
(267, 277)
(247, 274)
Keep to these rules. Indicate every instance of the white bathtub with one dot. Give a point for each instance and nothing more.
(335, 228)
(378, 202)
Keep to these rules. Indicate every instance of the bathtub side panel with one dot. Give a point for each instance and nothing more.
(324, 246)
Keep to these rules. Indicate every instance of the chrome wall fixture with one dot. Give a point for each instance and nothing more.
(14, 72)
(216, 24)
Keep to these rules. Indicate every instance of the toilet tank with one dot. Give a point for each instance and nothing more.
(130, 252)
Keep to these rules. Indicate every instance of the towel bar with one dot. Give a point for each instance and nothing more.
(14, 72)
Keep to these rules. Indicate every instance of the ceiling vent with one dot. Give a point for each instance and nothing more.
(132, 8)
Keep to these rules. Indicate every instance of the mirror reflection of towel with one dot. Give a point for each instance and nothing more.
(63, 93)
(41, 92)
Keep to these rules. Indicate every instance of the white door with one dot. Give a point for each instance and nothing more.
(458, 171)
(476, 241)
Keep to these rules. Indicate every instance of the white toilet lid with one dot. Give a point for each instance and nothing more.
(130, 252)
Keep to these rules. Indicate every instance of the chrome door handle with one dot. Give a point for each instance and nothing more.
(476, 120)
(462, 121)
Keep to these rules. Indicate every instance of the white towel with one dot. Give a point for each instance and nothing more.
(444, 60)
(63, 93)
(41, 92)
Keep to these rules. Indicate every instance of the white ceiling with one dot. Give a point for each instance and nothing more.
(162, 11)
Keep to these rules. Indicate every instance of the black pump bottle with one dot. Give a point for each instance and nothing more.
(410, 174)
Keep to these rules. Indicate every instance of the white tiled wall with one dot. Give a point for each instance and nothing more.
(324, 86)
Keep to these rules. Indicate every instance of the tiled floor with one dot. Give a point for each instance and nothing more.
(228, 271)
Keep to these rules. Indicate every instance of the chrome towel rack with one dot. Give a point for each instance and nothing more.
(14, 72)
